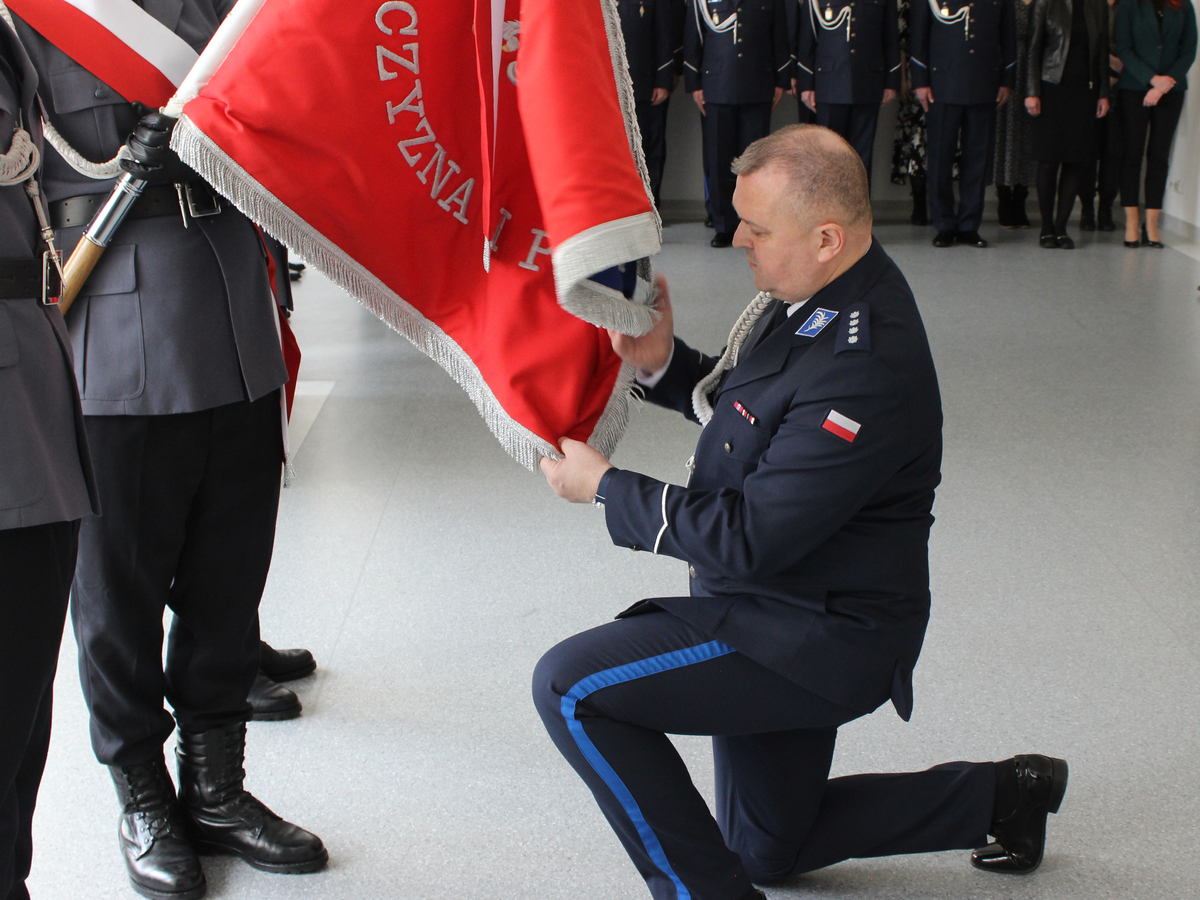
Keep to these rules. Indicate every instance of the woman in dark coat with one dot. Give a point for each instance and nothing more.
(1156, 41)
(1067, 91)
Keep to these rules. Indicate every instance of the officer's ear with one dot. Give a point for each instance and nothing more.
(833, 241)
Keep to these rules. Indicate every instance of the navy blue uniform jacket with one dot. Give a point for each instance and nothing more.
(966, 62)
(649, 28)
(810, 553)
(854, 62)
(743, 64)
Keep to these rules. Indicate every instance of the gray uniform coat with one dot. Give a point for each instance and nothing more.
(172, 320)
(45, 473)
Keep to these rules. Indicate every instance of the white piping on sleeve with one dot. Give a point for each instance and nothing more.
(663, 530)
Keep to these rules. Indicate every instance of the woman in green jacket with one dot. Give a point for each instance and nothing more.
(1156, 41)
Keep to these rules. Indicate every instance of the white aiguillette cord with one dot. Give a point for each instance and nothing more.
(741, 329)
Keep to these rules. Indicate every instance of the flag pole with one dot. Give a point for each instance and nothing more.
(120, 201)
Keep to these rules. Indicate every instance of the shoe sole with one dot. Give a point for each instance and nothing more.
(290, 674)
(300, 868)
(292, 712)
(1059, 773)
(194, 894)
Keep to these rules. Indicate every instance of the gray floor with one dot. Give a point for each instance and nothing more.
(428, 573)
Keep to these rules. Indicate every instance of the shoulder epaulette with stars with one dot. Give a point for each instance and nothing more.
(855, 331)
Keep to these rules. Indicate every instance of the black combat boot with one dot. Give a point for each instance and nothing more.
(161, 862)
(223, 817)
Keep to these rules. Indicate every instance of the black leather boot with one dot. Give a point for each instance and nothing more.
(285, 665)
(1019, 194)
(271, 702)
(161, 862)
(223, 817)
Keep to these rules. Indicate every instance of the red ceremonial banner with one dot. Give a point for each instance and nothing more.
(461, 167)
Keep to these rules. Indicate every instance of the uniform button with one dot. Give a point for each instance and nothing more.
(101, 93)
(728, 447)
(851, 49)
(970, 51)
(692, 571)
(739, 56)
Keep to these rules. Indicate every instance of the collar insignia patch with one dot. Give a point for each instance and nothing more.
(816, 322)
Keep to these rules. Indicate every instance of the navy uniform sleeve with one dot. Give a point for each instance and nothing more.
(664, 44)
(920, 20)
(674, 389)
(1008, 44)
(806, 48)
(891, 45)
(784, 61)
(808, 483)
(693, 49)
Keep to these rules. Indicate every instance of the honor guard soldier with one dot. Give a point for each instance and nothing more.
(649, 28)
(737, 62)
(46, 482)
(805, 530)
(848, 64)
(179, 365)
(963, 67)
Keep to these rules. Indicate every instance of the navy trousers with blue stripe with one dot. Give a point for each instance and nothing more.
(610, 696)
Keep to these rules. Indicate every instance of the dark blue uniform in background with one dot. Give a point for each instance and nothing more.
(650, 29)
(737, 52)
(805, 527)
(965, 52)
(848, 52)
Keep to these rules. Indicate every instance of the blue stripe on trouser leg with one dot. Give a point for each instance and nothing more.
(619, 675)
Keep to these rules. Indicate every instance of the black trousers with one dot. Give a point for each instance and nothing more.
(189, 505)
(856, 122)
(609, 696)
(728, 130)
(1104, 175)
(36, 564)
(1160, 121)
(948, 125)
(652, 121)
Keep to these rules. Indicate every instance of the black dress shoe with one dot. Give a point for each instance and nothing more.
(943, 239)
(1087, 220)
(222, 817)
(1020, 835)
(1146, 242)
(1131, 244)
(1048, 241)
(721, 239)
(271, 702)
(158, 857)
(285, 665)
(970, 238)
(1064, 242)
(708, 222)
(1104, 219)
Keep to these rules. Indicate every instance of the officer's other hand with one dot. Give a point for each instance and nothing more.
(778, 97)
(660, 95)
(793, 89)
(809, 99)
(652, 350)
(1033, 105)
(577, 475)
(1152, 97)
(1101, 107)
(1003, 95)
(698, 96)
(152, 158)
(888, 96)
(925, 97)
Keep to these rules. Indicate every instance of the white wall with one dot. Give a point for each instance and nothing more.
(1183, 181)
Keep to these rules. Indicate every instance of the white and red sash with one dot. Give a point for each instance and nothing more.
(117, 41)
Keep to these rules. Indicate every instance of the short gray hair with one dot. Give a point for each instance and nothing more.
(825, 173)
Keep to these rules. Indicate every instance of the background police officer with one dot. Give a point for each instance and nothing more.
(963, 66)
(650, 29)
(847, 64)
(179, 365)
(45, 476)
(737, 64)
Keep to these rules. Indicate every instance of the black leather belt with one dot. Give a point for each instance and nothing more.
(156, 200)
(24, 279)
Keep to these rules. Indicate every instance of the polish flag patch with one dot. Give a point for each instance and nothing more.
(843, 426)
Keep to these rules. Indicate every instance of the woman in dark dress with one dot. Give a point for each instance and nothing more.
(1067, 91)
